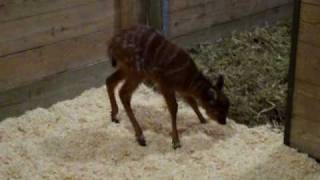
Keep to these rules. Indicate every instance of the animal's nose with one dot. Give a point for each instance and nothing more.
(222, 121)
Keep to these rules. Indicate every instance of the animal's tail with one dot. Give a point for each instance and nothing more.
(113, 62)
(109, 53)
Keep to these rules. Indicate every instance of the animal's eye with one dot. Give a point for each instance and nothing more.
(211, 102)
(212, 93)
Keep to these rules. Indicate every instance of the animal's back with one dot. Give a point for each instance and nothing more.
(141, 53)
(143, 50)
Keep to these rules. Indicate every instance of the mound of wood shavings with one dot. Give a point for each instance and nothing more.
(75, 139)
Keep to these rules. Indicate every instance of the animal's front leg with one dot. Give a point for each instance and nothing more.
(193, 103)
(126, 91)
(171, 101)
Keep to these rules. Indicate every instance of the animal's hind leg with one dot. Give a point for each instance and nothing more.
(193, 103)
(126, 92)
(172, 104)
(111, 82)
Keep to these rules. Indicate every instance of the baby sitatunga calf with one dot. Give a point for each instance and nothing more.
(141, 53)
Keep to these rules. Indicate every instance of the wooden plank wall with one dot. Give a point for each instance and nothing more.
(305, 124)
(189, 16)
(45, 37)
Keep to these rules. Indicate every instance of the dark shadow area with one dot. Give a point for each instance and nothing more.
(47, 92)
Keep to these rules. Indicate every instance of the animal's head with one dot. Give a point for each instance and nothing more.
(215, 102)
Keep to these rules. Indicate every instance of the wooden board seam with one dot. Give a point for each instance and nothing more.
(65, 39)
(48, 12)
(48, 77)
(210, 2)
(310, 3)
(233, 20)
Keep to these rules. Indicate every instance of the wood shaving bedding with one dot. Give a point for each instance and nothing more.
(75, 139)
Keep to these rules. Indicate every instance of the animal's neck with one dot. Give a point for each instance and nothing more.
(199, 85)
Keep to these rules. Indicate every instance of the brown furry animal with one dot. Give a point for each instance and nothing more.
(141, 53)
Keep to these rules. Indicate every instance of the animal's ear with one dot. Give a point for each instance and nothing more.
(220, 82)
(212, 93)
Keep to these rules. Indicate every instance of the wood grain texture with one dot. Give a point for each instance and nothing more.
(24, 68)
(307, 89)
(310, 24)
(13, 10)
(155, 19)
(306, 126)
(305, 122)
(191, 16)
(129, 12)
(307, 108)
(303, 136)
(308, 63)
(219, 31)
(315, 2)
(198, 17)
(176, 5)
(53, 89)
(24, 34)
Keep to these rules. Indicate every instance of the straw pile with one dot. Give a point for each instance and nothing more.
(255, 65)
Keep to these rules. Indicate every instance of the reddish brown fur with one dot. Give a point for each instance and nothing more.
(140, 53)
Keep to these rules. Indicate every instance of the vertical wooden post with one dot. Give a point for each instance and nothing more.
(142, 10)
(155, 14)
(117, 15)
(128, 13)
(303, 118)
(132, 12)
(292, 68)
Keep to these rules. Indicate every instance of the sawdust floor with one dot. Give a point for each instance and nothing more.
(75, 139)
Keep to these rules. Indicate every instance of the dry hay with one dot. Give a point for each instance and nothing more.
(255, 65)
(75, 139)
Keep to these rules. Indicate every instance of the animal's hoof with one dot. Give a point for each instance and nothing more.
(176, 145)
(115, 120)
(204, 121)
(141, 141)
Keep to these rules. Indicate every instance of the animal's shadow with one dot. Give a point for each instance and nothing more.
(158, 121)
(116, 142)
